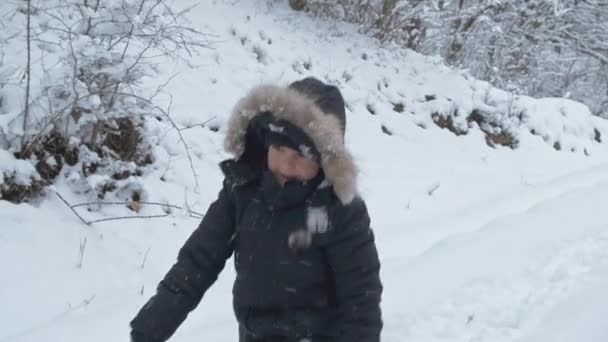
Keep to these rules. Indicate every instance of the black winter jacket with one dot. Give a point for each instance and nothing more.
(328, 291)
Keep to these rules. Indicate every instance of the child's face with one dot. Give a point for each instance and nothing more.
(288, 164)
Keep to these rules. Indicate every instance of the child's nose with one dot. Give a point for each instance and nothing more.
(288, 168)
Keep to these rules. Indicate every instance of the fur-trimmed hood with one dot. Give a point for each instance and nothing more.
(324, 129)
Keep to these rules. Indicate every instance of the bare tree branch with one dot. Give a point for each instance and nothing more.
(202, 124)
(162, 86)
(181, 137)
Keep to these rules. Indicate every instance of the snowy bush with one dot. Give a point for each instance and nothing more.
(91, 111)
(543, 48)
(18, 179)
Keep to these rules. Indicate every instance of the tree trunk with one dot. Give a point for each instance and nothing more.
(26, 112)
(383, 23)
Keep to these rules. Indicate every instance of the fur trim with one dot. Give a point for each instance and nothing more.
(323, 129)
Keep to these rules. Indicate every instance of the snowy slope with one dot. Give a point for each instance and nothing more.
(477, 244)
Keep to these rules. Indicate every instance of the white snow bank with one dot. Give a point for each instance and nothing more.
(20, 171)
(514, 278)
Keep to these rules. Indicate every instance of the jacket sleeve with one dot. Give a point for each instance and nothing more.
(198, 265)
(354, 264)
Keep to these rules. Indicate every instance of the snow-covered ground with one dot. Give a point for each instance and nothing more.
(476, 243)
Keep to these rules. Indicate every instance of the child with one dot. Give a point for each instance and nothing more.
(306, 264)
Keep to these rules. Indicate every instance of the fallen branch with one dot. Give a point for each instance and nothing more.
(143, 263)
(86, 302)
(72, 208)
(191, 213)
(141, 202)
(81, 251)
(188, 204)
(129, 217)
(433, 189)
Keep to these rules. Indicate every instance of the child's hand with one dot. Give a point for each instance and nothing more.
(300, 240)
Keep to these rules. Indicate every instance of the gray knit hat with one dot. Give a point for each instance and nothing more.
(327, 97)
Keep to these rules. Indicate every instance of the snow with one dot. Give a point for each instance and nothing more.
(22, 171)
(507, 273)
(276, 128)
(306, 152)
(476, 243)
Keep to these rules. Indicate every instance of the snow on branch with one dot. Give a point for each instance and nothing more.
(91, 101)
